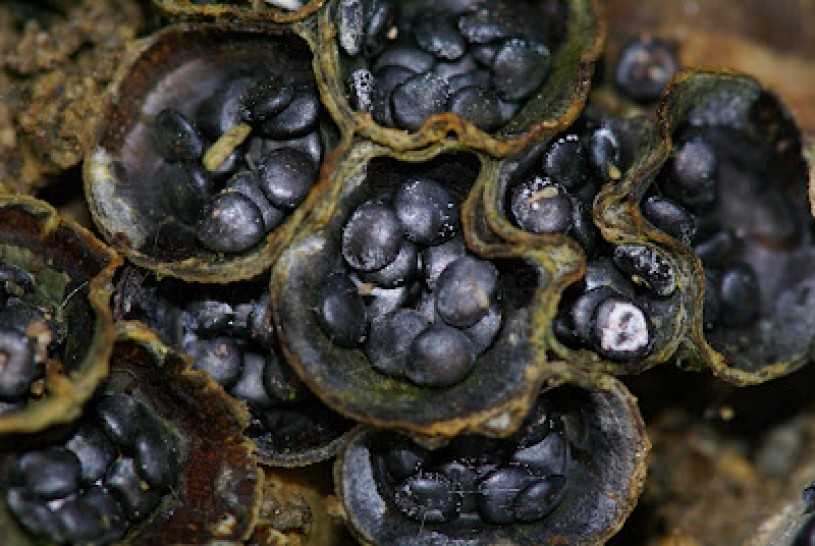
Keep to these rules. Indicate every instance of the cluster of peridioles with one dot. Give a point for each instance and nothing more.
(395, 235)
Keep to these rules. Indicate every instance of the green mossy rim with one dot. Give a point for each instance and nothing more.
(556, 104)
(74, 273)
(607, 472)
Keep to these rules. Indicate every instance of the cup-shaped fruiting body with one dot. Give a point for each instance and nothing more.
(731, 160)
(276, 11)
(571, 474)
(621, 310)
(390, 315)
(158, 456)
(56, 327)
(497, 74)
(227, 330)
(210, 150)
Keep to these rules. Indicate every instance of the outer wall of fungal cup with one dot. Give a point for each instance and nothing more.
(218, 493)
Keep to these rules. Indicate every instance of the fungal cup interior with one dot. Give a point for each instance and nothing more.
(68, 294)
(575, 196)
(604, 476)
(504, 376)
(127, 180)
(216, 322)
(755, 236)
(150, 463)
(368, 78)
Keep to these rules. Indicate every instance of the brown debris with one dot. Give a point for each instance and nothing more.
(296, 509)
(773, 41)
(52, 82)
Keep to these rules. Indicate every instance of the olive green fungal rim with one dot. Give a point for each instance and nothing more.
(576, 522)
(672, 108)
(302, 458)
(345, 381)
(219, 492)
(115, 216)
(260, 11)
(563, 259)
(66, 392)
(618, 216)
(555, 106)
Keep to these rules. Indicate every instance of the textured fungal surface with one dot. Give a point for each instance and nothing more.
(108, 476)
(737, 173)
(496, 73)
(611, 311)
(479, 60)
(432, 308)
(620, 304)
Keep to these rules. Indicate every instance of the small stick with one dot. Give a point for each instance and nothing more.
(220, 150)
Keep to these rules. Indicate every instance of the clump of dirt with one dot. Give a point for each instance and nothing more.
(55, 64)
